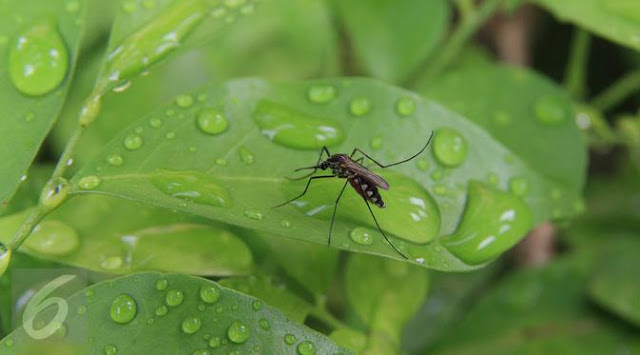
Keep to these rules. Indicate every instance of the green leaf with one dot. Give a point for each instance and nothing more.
(385, 294)
(541, 310)
(182, 157)
(191, 325)
(393, 37)
(51, 32)
(132, 238)
(277, 295)
(29, 191)
(616, 20)
(350, 339)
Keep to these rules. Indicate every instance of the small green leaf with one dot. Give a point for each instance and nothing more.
(616, 20)
(38, 49)
(393, 37)
(132, 238)
(231, 323)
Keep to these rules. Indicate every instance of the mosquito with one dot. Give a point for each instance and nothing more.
(364, 181)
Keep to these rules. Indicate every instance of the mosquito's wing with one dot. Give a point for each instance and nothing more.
(368, 175)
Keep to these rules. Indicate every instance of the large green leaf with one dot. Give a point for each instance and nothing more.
(393, 37)
(209, 153)
(616, 20)
(38, 49)
(168, 313)
(112, 235)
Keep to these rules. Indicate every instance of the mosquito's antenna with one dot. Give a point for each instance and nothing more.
(315, 167)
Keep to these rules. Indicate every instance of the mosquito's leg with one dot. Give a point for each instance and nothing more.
(335, 208)
(305, 189)
(323, 150)
(396, 163)
(381, 231)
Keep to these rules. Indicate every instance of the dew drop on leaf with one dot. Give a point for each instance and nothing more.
(422, 164)
(110, 350)
(193, 186)
(161, 311)
(214, 342)
(253, 214)
(221, 162)
(162, 284)
(191, 324)
(174, 298)
(246, 156)
(256, 305)
(360, 106)
(405, 106)
(53, 238)
(132, 142)
(264, 324)
(54, 193)
(211, 121)
(123, 309)
(449, 147)
(550, 110)
(38, 59)
(306, 348)
(238, 332)
(115, 159)
(290, 339)
(285, 223)
(89, 182)
(320, 94)
(361, 236)
(519, 186)
(184, 100)
(209, 293)
(201, 352)
(155, 122)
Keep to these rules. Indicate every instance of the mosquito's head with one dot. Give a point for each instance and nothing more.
(337, 159)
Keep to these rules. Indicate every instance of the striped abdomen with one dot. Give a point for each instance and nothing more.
(367, 189)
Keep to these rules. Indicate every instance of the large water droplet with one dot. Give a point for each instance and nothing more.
(132, 142)
(290, 339)
(493, 221)
(362, 236)
(209, 293)
(5, 257)
(53, 238)
(38, 59)
(246, 156)
(194, 186)
(238, 332)
(54, 193)
(295, 129)
(191, 324)
(405, 106)
(306, 348)
(449, 147)
(174, 298)
(360, 106)
(123, 309)
(212, 121)
(153, 41)
(550, 110)
(89, 182)
(519, 186)
(321, 93)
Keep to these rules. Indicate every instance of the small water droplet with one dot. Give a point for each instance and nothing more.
(54, 193)
(89, 182)
(162, 311)
(201, 352)
(90, 110)
(437, 175)
(174, 298)
(285, 223)
(246, 156)
(52, 237)
(423, 164)
(519, 186)
(88, 293)
(449, 147)
(191, 324)
(221, 162)
(321, 93)
(170, 135)
(29, 116)
(192, 186)
(123, 309)
(290, 339)
(256, 305)
(264, 324)
(110, 350)
(122, 86)
(550, 110)
(253, 214)
(405, 106)
(155, 122)
(360, 106)
(238, 332)
(209, 293)
(361, 236)
(184, 100)
(214, 342)
(5, 257)
(115, 159)
(162, 284)
(38, 59)
(132, 142)
(306, 348)
(23, 178)
(376, 142)
(212, 121)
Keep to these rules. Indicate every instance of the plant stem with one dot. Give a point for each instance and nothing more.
(575, 74)
(617, 92)
(458, 39)
(27, 226)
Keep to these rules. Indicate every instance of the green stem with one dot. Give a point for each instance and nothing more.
(27, 226)
(459, 38)
(575, 74)
(617, 92)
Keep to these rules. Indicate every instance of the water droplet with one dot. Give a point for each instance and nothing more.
(423, 164)
(112, 262)
(290, 339)
(221, 162)
(132, 142)
(174, 298)
(253, 214)
(550, 110)
(53, 238)
(72, 6)
(161, 311)
(184, 100)
(234, 307)
(163, 34)
(295, 129)
(256, 305)
(122, 86)
(519, 186)
(90, 110)
(201, 352)
(110, 350)
(123, 309)
(246, 156)
(23, 178)
(360, 106)
(192, 186)
(211, 121)
(155, 122)
(162, 284)
(214, 342)
(54, 193)
(405, 106)
(38, 59)
(264, 324)
(89, 182)
(139, 130)
(306, 348)
(170, 135)
(115, 159)
(449, 147)
(191, 324)
(238, 332)
(493, 179)
(376, 143)
(361, 236)
(321, 93)
(209, 293)
(493, 221)
(5, 257)
(9, 342)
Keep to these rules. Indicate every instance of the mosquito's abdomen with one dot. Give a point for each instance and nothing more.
(368, 190)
